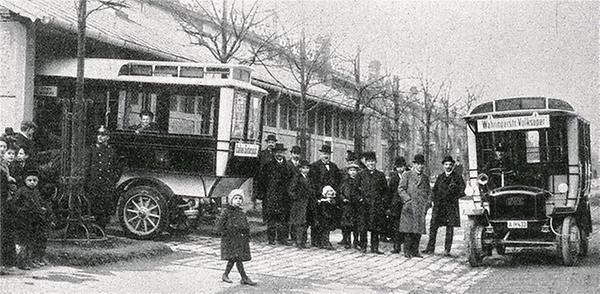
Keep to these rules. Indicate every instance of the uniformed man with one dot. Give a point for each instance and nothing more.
(264, 156)
(102, 174)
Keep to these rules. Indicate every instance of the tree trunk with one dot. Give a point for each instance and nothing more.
(303, 124)
(358, 127)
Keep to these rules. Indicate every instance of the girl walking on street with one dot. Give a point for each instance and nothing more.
(235, 239)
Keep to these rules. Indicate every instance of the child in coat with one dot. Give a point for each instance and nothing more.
(235, 236)
(301, 191)
(33, 220)
(327, 216)
(350, 206)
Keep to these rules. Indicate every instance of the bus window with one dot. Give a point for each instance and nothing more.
(532, 145)
(131, 104)
(239, 114)
(191, 114)
(254, 117)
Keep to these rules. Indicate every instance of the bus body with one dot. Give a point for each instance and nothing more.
(209, 123)
(540, 197)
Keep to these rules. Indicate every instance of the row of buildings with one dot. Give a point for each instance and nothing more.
(34, 31)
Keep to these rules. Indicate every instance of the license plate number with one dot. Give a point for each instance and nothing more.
(517, 224)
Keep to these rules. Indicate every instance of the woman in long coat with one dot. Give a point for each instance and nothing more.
(235, 236)
(415, 191)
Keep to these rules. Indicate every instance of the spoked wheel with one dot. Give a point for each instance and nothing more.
(475, 248)
(569, 241)
(143, 212)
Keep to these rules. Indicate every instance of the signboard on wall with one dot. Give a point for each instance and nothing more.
(49, 91)
(513, 123)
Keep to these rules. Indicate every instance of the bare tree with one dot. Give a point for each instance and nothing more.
(396, 105)
(223, 28)
(366, 95)
(308, 61)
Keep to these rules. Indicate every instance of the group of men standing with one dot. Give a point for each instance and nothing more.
(366, 200)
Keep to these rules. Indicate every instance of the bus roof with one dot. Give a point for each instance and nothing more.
(521, 106)
(157, 72)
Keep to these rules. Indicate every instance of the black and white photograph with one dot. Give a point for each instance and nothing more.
(299, 146)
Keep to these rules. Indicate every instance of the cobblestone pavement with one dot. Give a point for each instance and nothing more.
(395, 273)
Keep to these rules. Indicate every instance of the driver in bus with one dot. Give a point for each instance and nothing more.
(500, 166)
(147, 123)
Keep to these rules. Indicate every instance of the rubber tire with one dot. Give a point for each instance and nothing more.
(158, 198)
(584, 244)
(475, 250)
(569, 255)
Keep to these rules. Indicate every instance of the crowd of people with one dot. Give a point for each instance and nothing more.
(358, 199)
(297, 195)
(26, 212)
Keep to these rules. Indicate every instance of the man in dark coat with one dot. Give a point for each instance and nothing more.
(323, 173)
(274, 181)
(350, 202)
(415, 191)
(7, 237)
(301, 191)
(374, 190)
(294, 165)
(264, 156)
(102, 175)
(396, 203)
(448, 187)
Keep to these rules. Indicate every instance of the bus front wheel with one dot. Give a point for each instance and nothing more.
(142, 212)
(474, 242)
(569, 241)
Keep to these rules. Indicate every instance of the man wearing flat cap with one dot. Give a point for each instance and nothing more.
(273, 186)
(102, 175)
(448, 188)
(323, 173)
(415, 191)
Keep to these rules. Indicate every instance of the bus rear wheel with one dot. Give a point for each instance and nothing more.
(142, 212)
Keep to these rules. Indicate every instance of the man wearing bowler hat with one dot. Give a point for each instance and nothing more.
(415, 191)
(448, 187)
(264, 156)
(323, 173)
(294, 165)
(273, 184)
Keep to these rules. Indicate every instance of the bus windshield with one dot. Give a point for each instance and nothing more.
(530, 155)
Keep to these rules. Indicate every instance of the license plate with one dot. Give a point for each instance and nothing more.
(517, 224)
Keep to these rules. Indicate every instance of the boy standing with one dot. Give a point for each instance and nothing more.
(32, 219)
(301, 191)
(350, 205)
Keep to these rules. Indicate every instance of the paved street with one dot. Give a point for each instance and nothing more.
(196, 268)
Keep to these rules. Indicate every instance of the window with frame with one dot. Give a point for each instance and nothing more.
(192, 114)
(320, 121)
(327, 117)
(284, 113)
(131, 104)
(271, 110)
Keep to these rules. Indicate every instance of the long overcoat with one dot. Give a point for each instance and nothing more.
(235, 234)
(350, 203)
(301, 191)
(264, 156)
(446, 191)
(321, 177)
(275, 179)
(374, 190)
(103, 172)
(395, 201)
(415, 191)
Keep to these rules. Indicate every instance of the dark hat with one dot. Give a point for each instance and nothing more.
(350, 155)
(303, 162)
(271, 137)
(295, 149)
(501, 147)
(419, 158)
(279, 147)
(369, 155)
(448, 158)
(32, 172)
(400, 161)
(102, 130)
(325, 148)
(9, 131)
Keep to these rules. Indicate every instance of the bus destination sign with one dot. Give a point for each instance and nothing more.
(513, 123)
(245, 150)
